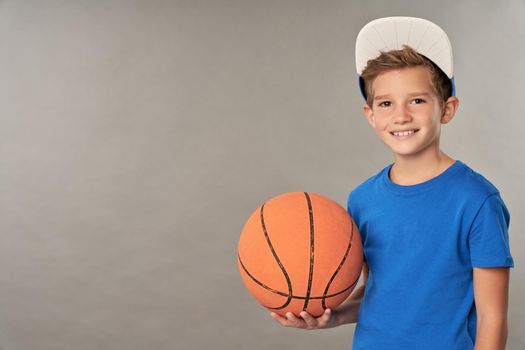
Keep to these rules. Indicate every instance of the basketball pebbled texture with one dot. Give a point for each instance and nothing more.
(300, 251)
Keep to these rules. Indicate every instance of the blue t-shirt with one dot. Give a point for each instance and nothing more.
(421, 243)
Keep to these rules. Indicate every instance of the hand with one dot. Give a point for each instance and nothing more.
(307, 321)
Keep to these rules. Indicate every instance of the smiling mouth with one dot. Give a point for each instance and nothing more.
(404, 133)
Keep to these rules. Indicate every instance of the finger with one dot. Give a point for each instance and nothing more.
(308, 319)
(294, 321)
(327, 314)
(325, 317)
(279, 318)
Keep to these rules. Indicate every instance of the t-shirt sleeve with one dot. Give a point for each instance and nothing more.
(488, 236)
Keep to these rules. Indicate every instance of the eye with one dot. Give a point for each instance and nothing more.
(382, 104)
(419, 99)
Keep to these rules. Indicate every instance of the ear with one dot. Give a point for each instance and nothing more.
(449, 109)
(369, 114)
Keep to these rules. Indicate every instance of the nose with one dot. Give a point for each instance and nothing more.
(402, 115)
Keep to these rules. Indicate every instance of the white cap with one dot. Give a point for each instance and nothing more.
(391, 33)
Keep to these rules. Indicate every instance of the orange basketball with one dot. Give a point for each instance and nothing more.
(300, 251)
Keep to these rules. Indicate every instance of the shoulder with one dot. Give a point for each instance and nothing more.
(474, 184)
(366, 188)
(477, 197)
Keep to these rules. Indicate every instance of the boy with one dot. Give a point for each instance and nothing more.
(434, 231)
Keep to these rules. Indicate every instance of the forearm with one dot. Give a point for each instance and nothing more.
(348, 311)
(491, 334)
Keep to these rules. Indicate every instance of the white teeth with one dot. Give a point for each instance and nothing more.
(403, 133)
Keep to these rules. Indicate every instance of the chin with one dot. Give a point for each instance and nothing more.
(405, 153)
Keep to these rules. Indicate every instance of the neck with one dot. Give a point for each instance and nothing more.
(414, 169)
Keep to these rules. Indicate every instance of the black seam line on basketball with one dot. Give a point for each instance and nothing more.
(259, 282)
(290, 293)
(311, 273)
(286, 295)
(270, 289)
(340, 264)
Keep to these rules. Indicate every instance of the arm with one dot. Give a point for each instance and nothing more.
(346, 312)
(491, 289)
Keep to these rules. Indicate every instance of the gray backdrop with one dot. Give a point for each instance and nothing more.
(138, 136)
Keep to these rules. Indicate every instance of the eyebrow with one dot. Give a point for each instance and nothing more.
(378, 97)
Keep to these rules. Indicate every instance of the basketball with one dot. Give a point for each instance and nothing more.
(300, 251)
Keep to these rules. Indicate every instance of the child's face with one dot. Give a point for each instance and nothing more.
(405, 100)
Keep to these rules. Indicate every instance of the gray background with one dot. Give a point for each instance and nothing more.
(138, 136)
